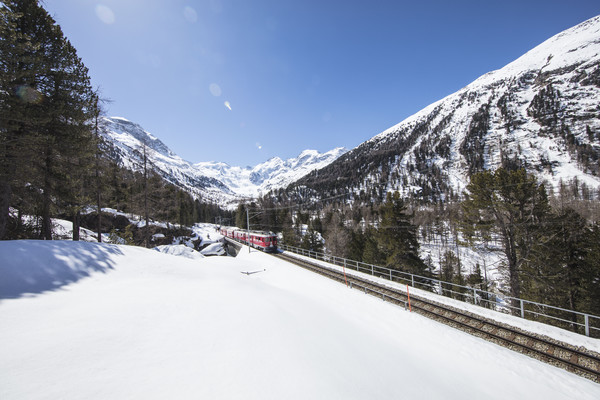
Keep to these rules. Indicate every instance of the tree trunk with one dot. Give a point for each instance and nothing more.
(99, 229)
(46, 232)
(146, 216)
(510, 252)
(76, 225)
(97, 167)
(46, 220)
(5, 195)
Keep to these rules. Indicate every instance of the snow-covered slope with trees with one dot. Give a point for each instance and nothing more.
(126, 142)
(541, 111)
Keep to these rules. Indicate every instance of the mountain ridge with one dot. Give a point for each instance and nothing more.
(124, 142)
(539, 112)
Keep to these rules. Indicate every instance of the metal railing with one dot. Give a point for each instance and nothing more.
(578, 322)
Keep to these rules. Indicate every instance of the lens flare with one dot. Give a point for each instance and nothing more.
(105, 14)
(228, 105)
(29, 94)
(190, 14)
(215, 89)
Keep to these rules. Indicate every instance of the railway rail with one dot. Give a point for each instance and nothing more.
(563, 355)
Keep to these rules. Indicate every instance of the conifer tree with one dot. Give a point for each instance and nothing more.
(20, 108)
(560, 264)
(290, 237)
(311, 240)
(240, 216)
(397, 237)
(510, 204)
(45, 102)
(590, 281)
(356, 245)
(372, 253)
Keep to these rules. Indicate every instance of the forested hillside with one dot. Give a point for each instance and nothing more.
(52, 159)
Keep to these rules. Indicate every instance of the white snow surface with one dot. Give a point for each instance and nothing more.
(97, 321)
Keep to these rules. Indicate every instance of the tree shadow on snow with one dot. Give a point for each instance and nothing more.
(30, 267)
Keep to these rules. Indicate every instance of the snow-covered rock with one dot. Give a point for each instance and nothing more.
(180, 250)
(213, 249)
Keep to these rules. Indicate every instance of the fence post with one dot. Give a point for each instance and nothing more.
(412, 278)
(391, 275)
(474, 296)
(372, 270)
(587, 325)
(522, 308)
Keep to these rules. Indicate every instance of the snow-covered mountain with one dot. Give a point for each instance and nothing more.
(215, 181)
(272, 174)
(541, 111)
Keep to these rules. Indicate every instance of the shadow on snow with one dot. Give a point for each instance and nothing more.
(33, 267)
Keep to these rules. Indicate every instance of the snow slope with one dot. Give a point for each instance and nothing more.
(135, 323)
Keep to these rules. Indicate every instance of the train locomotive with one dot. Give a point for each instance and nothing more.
(265, 241)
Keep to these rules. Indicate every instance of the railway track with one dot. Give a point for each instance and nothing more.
(571, 358)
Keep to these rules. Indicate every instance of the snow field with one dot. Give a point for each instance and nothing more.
(539, 328)
(142, 324)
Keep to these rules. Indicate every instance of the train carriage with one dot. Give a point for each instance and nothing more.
(266, 241)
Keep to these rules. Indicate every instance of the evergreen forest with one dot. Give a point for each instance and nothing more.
(52, 162)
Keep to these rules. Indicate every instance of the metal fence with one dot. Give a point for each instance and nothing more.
(567, 319)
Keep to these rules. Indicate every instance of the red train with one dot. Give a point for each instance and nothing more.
(266, 241)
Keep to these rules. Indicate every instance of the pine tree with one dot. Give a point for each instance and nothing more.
(512, 205)
(372, 253)
(20, 107)
(557, 268)
(45, 98)
(397, 237)
(590, 281)
(356, 245)
(240, 217)
(290, 237)
(312, 240)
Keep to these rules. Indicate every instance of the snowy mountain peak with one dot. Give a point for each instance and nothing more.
(573, 47)
(540, 112)
(124, 131)
(216, 181)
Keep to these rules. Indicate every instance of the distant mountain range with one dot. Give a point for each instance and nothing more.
(540, 112)
(212, 181)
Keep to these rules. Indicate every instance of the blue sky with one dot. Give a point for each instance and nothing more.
(242, 81)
